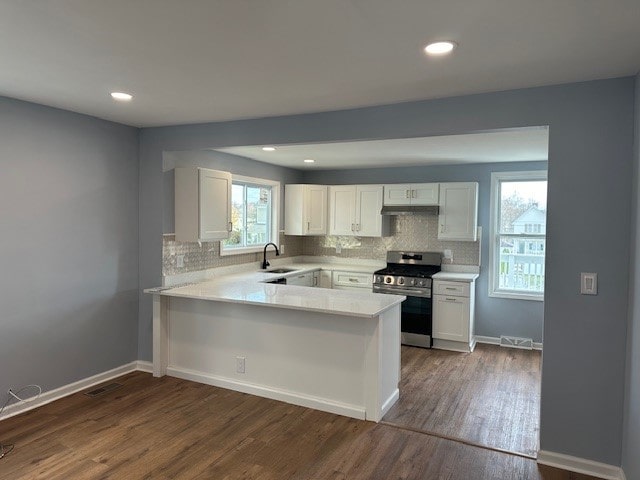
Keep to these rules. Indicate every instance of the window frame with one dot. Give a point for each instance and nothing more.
(494, 234)
(275, 214)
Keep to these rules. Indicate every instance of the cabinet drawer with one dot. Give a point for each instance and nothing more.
(352, 279)
(455, 289)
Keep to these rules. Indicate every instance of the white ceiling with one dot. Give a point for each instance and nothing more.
(209, 60)
(517, 145)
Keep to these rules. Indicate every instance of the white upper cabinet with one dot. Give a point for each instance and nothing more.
(412, 194)
(305, 209)
(202, 204)
(355, 210)
(458, 214)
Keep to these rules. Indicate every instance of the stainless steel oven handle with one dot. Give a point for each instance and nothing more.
(399, 291)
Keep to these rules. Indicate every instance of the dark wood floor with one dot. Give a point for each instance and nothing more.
(174, 429)
(489, 397)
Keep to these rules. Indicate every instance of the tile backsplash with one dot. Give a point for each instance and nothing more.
(408, 232)
(207, 255)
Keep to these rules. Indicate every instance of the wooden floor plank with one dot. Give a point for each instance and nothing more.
(169, 428)
(489, 397)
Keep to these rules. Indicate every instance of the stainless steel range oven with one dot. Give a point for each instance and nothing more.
(409, 274)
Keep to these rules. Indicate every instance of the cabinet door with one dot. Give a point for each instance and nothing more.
(304, 280)
(458, 215)
(315, 201)
(399, 194)
(451, 318)
(368, 222)
(214, 204)
(425, 194)
(342, 210)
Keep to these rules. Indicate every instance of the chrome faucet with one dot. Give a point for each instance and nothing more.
(265, 264)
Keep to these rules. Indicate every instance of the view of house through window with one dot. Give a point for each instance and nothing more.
(251, 214)
(519, 229)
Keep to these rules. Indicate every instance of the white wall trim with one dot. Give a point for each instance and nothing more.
(496, 341)
(69, 389)
(144, 366)
(580, 465)
(318, 403)
(389, 402)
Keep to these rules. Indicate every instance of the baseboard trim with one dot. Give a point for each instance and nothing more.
(282, 395)
(393, 398)
(496, 341)
(144, 366)
(69, 389)
(580, 465)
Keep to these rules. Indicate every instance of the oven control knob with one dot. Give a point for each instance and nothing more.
(421, 284)
(388, 279)
(401, 281)
(379, 279)
(412, 282)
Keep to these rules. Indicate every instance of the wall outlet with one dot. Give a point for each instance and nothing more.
(588, 283)
(281, 249)
(240, 361)
(180, 261)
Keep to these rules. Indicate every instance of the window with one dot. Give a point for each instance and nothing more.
(254, 214)
(518, 228)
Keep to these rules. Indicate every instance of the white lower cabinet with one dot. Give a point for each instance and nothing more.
(351, 281)
(304, 280)
(453, 315)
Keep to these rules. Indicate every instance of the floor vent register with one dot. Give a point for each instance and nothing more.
(102, 389)
(516, 342)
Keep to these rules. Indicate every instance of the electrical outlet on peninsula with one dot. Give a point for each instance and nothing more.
(240, 361)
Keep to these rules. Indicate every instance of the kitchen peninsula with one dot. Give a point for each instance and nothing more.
(333, 350)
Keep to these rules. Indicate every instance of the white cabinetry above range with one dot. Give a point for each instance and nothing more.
(458, 213)
(305, 209)
(355, 210)
(419, 194)
(202, 204)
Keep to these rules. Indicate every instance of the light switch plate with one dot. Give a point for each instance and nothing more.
(588, 283)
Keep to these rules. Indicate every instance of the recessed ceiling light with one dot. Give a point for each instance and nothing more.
(439, 48)
(121, 96)
(309, 160)
(269, 149)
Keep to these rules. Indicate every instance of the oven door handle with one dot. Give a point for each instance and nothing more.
(399, 291)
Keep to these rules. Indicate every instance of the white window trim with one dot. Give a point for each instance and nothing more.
(496, 178)
(275, 215)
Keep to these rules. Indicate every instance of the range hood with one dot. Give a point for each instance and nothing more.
(410, 210)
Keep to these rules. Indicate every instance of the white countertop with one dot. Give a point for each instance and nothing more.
(456, 276)
(248, 287)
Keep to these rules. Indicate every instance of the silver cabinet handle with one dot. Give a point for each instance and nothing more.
(414, 193)
(353, 227)
(441, 228)
(230, 226)
(406, 194)
(353, 280)
(450, 288)
(308, 226)
(357, 227)
(450, 299)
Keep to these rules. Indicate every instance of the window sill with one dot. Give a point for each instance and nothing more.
(517, 296)
(239, 251)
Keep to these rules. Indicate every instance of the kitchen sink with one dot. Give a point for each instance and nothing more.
(279, 270)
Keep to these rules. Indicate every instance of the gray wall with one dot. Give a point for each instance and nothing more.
(69, 244)
(588, 228)
(494, 316)
(631, 445)
(227, 163)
